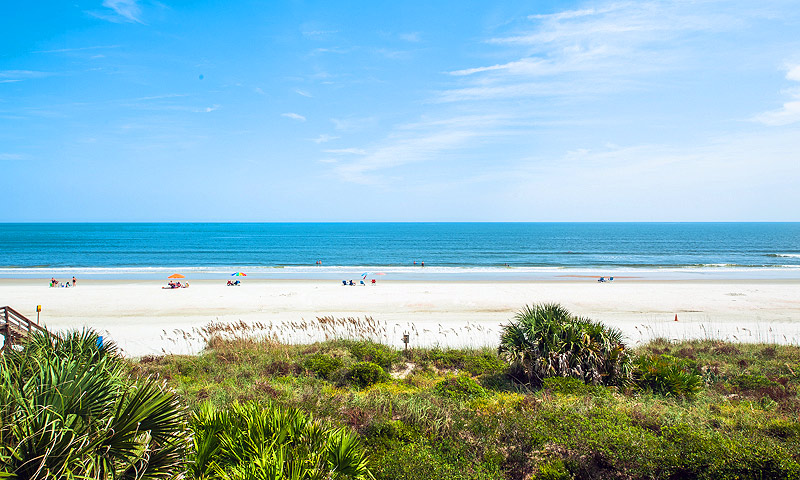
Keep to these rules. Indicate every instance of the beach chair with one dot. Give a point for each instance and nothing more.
(610, 279)
(344, 282)
(362, 282)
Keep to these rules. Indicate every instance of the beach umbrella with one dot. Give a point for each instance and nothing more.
(371, 273)
(176, 275)
(238, 274)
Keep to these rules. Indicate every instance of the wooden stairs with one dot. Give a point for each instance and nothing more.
(14, 326)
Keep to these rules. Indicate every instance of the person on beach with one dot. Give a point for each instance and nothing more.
(423, 264)
(74, 281)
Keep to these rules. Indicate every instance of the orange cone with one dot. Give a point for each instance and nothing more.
(676, 317)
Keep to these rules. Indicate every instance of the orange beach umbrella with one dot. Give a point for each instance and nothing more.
(176, 275)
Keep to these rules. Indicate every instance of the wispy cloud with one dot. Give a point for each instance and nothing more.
(77, 49)
(337, 50)
(371, 167)
(125, 8)
(416, 143)
(319, 33)
(324, 138)
(790, 111)
(303, 93)
(161, 97)
(593, 49)
(793, 73)
(12, 76)
(567, 14)
(123, 11)
(352, 124)
(11, 156)
(413, 37)
(294, 116)
(347, 151)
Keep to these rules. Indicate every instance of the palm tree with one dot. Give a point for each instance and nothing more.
(546, 340)
(68, 410)
(271, 442)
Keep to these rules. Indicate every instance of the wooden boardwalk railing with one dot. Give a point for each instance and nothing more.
(15, 326)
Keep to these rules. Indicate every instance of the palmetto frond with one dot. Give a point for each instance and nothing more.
(70, 411)
(282, 442)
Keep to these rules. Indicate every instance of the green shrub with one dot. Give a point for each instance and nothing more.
(783, 429)
(418, 461)
(548, 341)
(552, 470)
(667, 375)
(752, 382)
(389, 433)
(322, 365)
(476, 363)
(364, 374)
(485, 363)
(709, 455)
(460, 387)
(373, 352)
(567, 386)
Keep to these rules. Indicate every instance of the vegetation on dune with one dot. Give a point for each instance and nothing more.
(548, 341)
(563, 399)
(69, 410)
(271, 442)
(668, 375)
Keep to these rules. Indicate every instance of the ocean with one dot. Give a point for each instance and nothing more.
(449, 250)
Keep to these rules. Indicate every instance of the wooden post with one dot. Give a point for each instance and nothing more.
(7, 331)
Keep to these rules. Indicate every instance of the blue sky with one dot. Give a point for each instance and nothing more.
(137, 110)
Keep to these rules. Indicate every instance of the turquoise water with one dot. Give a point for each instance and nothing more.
(463, 250)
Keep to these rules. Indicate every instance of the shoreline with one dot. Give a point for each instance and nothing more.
(145, 319)
(437, 274)
(564, 279)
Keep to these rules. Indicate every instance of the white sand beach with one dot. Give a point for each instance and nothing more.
(144, 319)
